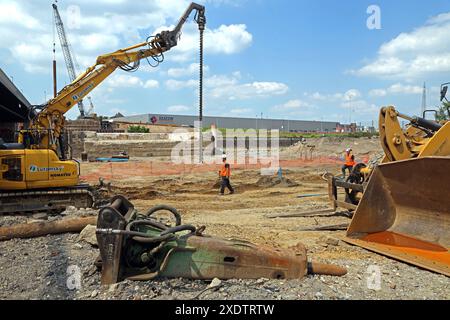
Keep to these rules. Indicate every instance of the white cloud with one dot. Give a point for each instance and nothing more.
(378, 93)
(13, 13)
(241, 111)
(230, 88)
(95, 42)
(190, 70)
(249, 90)
(105, 26)
(216, 81)
(127, 81)
(419, 53)
(178, 108)
(292, 105)
(151, 84)
(177, 84)
(317, 96)
(227, 39)
(360, 107)
(405, 89)
(351, 95)
(397, 88)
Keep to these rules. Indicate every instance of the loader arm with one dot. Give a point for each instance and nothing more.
(46, 127)
(402, 144)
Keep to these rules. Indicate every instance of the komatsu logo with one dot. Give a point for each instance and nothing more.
(75, 97)
(35, 169)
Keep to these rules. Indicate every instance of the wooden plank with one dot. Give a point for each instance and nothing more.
(345, 205)
(300, 214)
(352, 186)
(336, 227)
(312, 195)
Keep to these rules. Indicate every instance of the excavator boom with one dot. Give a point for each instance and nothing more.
(46, 127)
(34, 173)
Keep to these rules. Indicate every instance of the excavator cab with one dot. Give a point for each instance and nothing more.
(23, 169)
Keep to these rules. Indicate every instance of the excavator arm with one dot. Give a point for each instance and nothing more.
(47, 125)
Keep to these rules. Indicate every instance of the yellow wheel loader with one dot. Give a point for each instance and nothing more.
(404, 212)
(35, 174)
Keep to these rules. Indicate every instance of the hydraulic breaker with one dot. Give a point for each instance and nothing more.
(136, 246)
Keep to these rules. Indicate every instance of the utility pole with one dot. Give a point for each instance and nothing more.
(55, 84)
(424, 99)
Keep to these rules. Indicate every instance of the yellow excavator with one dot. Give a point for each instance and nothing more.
(404, 211)
(35, 174)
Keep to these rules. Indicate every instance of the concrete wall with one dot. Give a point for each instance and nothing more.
(143, 145)
(100, 145)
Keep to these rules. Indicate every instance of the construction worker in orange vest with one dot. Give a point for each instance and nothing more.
(224, 174)
(349, 162)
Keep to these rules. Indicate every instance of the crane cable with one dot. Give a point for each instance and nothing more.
(201, 21)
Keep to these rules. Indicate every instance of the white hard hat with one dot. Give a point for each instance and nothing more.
(348, 150)
(224, 156)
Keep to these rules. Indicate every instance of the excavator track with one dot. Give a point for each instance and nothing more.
(46, 200)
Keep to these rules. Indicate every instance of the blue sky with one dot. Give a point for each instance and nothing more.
(286, 59)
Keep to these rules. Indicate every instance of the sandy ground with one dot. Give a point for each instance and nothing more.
(37, 268)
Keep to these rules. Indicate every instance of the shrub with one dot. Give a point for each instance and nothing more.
(138, 129)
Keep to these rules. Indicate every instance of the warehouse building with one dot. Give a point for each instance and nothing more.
(234, 123)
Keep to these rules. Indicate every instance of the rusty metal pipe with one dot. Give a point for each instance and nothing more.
(326, 269)
(39, 229)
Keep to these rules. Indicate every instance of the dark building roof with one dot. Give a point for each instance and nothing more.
(14, 107)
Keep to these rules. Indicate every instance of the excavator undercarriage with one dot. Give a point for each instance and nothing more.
(48, 200)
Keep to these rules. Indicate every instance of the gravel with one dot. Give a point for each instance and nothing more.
(46, 268)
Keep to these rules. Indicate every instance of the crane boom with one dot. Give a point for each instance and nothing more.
(46, 127)
(69, 58)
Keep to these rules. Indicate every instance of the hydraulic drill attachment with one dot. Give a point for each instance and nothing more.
(138, 247)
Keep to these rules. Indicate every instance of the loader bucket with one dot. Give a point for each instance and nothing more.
(405, 213)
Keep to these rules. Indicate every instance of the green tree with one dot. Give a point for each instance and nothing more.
(138, 129)
(443, 112)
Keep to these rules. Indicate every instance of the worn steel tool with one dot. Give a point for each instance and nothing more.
(137, 247)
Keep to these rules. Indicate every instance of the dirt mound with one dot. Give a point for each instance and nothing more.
(137, 193)
(333, 147)
(270, 182)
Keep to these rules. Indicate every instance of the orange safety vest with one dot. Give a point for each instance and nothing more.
(349, 160)
(225, 170)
